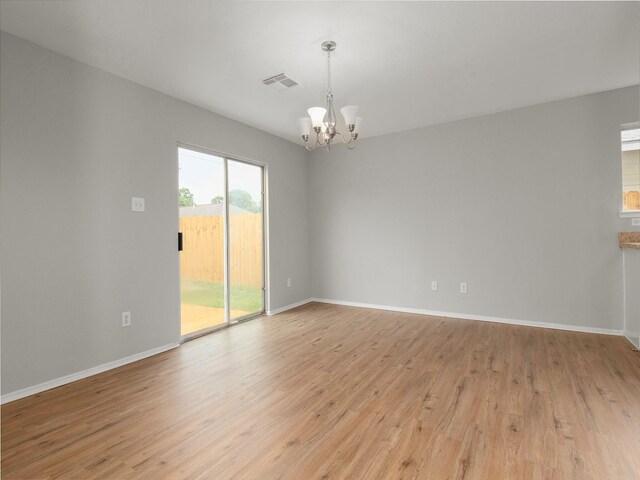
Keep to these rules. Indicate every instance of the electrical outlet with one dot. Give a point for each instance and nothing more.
(463, 287)
(126, 319)
(288, 283)
(434, 285)
(635, 222)
(137, 204)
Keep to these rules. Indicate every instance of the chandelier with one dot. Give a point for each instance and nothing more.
(323, 119)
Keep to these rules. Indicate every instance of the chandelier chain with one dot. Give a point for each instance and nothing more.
(329, 72)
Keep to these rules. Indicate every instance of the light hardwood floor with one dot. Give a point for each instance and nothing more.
(329, 392)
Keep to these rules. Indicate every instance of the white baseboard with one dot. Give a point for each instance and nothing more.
(25, 392)
(633, 337)
(289, 307)
(467, 316)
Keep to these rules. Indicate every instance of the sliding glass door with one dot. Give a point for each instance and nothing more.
(202, 266)
(221, 238)
(246, 262)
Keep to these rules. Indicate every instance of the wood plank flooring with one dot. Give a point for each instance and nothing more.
(331, 392)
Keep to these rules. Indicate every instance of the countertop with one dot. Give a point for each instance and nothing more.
(629, 240)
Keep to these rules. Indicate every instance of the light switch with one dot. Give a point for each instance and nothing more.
(635, 222)
(137, 204)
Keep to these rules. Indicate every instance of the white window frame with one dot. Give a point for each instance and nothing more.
(627, 213)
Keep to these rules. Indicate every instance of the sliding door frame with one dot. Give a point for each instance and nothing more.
(263, 170)
(227, 258)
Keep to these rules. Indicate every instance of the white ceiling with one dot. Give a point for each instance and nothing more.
(407, 64)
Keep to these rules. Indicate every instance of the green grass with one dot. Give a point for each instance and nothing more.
(210, 294)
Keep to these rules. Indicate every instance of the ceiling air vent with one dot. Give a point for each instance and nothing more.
(280, 82)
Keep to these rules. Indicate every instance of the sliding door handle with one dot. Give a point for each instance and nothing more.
(179, 241)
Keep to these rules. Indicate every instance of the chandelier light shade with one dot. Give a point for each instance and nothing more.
(323, 120)
(317, 115)
(349, 114)
(356, 127)
(304, 126)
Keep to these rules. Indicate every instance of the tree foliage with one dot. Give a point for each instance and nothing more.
(241, 199)
(185, 197)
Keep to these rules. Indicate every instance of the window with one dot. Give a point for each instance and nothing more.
(630, 142)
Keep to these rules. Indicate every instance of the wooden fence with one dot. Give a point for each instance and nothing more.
(202, 256)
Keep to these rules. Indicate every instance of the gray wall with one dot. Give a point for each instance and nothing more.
(523, 205)
(76, 144)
